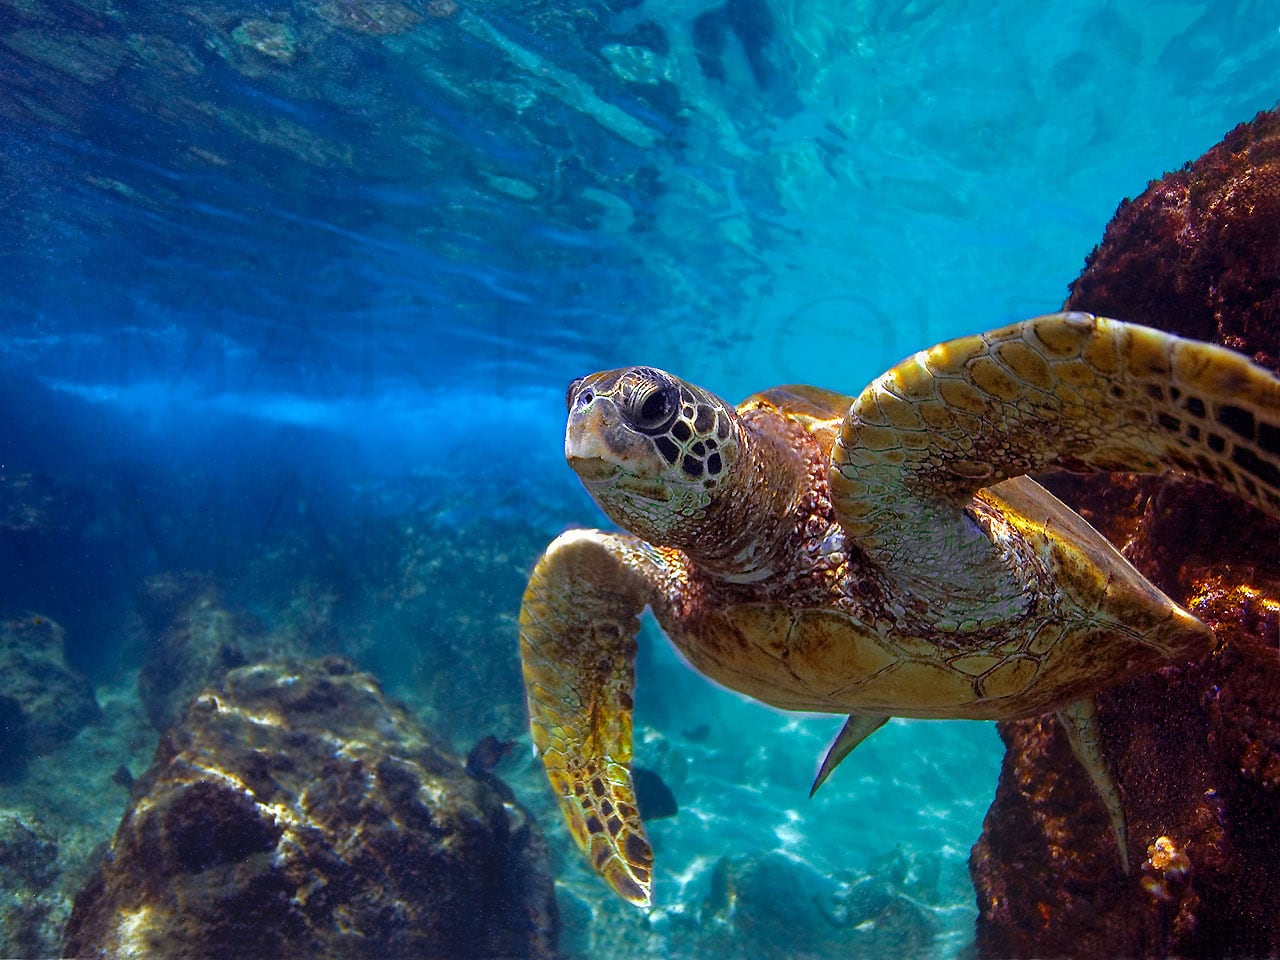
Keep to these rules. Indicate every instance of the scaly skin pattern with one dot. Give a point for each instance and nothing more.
(1068, 391)
(878, 556)
(578, 624)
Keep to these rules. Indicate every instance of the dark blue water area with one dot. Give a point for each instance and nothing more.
(290, 294)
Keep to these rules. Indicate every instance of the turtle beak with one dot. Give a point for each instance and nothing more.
(584, 445)
(603, 450)
(592, 469)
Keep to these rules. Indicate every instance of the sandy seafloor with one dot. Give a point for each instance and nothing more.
(290, 293)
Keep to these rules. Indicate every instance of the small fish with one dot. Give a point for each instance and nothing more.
(486, 755)
(698, 734)
(653, 797)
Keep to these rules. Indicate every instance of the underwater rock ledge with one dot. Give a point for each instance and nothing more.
(1196, 747)
(296, 812)
(44, 703)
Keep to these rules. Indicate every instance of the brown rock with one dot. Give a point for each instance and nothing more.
(295, 812)
(31, 914)
(1196, 748)
(1198, 252)
(194, 640)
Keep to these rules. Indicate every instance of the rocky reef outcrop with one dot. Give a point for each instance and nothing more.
(1198, 253)
(771, 907)
(58, 560)
(1196, 747)
(30, 911)
(193, 639)
(294, 811)
(43, 701)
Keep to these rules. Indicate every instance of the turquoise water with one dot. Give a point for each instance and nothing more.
(291, 292)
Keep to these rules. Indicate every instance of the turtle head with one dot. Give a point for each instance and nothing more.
(656, 453)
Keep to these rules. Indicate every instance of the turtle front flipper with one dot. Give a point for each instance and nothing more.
(578, 624)
(1067, 391)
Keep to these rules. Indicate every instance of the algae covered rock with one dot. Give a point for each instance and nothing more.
(193, 641)
(43, 702)
(772, 906)
(1196, 747)
(296, 812)
(1197, 252)
(30, 913)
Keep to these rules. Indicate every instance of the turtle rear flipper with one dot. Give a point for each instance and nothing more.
(1067, 391)
(1079, 720)
(1093, 574)
(578, 624)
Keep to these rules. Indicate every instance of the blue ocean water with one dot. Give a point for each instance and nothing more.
(290, 291)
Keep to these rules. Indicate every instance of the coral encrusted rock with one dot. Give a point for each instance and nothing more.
(296, 812)
(1195, 747)
(43, 702)
(31, 914)
(193, 640)
(1198, 251)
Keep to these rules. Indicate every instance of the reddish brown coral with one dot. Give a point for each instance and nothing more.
(1196, 748)
(1199, 251)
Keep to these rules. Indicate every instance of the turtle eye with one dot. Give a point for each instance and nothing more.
(573, 388)
(653, 405)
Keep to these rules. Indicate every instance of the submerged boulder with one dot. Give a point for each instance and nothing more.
(772, 906)
(296, 812)
(1195, 747)
(57, 555)
(193, 640)
(43, 702)
(31, 914)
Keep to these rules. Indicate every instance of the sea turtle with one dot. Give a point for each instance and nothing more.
(880, 555)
